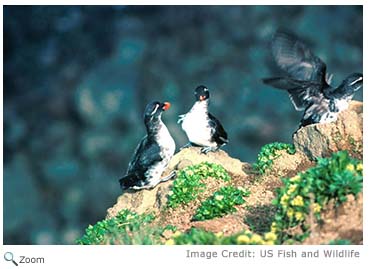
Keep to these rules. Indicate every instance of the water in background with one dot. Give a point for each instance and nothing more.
(76, 81)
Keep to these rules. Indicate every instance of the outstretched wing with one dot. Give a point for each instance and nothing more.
(219, 134)
(145, 155)
(295, 58)
(302, 93)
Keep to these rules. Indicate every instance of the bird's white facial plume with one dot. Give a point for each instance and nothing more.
(355, 81)
(155, 109)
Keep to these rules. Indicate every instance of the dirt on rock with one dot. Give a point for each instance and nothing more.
(344, 222)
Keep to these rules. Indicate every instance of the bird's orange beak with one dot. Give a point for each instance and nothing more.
(166, 105)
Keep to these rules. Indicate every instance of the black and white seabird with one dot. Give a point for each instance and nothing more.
(201, 127)
(308, 83)
(152, 154)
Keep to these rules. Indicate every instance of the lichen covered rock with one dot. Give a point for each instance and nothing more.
(320, 140)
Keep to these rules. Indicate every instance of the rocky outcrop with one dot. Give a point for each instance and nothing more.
(320, 140)
(154, 199)
(192, 156)
(142, 201)
(343, 222)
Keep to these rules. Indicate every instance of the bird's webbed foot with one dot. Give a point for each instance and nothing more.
(189, 144)
(172, 175)
(205, 150)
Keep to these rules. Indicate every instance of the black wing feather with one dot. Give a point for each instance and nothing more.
(302, 93)
(146, 154)
(295, 58)
(219, 135)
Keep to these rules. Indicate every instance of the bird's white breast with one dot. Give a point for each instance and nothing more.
(168, 146)
(196, 125)
(166, 141)
(340, 104)
(322, 108)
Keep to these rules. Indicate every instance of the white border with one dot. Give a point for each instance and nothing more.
(174, 256)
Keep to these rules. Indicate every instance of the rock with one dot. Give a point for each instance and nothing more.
(227, 225)
(286, 165)
(192, 156)
(153, 200)
(344, 222)
(142, 201)
(320, 140)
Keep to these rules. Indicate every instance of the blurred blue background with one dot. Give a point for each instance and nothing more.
(76, 81)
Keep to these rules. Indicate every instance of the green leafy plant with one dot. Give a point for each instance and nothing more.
(307, 193)
(269, 153)
(196, 236)
(190, 182)
(221, 203)
(126, 228)
(340, 242)
(301, 197)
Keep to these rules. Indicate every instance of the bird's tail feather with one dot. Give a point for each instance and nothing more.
(128, 181)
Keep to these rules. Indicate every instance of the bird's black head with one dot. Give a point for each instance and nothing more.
(202, 93)
(355, 81)
(352, 84)
(154, 109)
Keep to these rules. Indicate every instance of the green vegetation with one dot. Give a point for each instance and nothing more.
(331, 179)
(126, 228)
(269, 153)
(200, 237)
(307, 193)
(340, 242)
(355, 147)
(352, 141)
(337, 137)
(286, 221)
(189, 182)
(222, 202)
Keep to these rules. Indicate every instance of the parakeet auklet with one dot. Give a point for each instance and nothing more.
(152, 154)
(201, 127)
(308, 82)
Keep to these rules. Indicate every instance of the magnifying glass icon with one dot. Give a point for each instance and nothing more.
(8, 256)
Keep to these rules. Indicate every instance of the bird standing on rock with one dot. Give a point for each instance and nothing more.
(201, 127)
(152, 154)
(308, 82)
